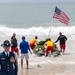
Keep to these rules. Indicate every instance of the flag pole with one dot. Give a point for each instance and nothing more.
(50, 27)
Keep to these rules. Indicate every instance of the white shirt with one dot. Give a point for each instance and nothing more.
(7, 53)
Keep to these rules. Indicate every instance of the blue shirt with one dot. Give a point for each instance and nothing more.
(24, 46)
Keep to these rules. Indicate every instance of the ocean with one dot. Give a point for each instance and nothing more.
(36, 19)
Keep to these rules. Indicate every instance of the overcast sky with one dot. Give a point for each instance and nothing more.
(36, 1)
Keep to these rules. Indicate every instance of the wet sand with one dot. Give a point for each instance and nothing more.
(62, 65)
(48, 69)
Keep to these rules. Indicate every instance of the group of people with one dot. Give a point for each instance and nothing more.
(50, 44)
(8, 60)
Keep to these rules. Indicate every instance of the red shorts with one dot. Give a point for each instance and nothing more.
(49, 48)
(14, 49)
(32, 46)
(62, 46)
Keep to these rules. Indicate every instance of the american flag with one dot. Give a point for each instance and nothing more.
(61, 16)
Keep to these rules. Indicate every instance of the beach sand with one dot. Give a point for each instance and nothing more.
(48, 69)
(64, 67)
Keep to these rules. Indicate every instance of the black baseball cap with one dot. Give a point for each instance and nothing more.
(6, 43)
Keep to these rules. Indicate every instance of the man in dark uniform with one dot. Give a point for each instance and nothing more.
(8, 62)
(62, 40)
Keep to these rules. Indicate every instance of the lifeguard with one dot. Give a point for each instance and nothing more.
(50, 47)
(33, 42)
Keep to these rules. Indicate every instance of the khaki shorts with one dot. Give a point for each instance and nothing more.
(24, 55)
